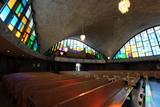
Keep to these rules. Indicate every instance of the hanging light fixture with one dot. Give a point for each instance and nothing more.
(124, 6)
(82, 36)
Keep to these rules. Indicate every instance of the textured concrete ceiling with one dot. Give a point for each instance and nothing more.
(106, 28)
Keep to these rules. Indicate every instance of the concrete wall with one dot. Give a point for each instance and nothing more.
(10, 64)
(143, 65)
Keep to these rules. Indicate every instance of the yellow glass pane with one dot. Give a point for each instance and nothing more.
(135, 55)
(28, 30)
(52, 49)
(22, 28)
(79, 49)
(25, 39)
(11, 3)
(18, 34)
(133, 46)
(128, 52)
(19, 14)
(128, 48)
(10, 27)
(24, 20)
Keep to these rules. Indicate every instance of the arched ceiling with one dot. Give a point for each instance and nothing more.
(106, 28)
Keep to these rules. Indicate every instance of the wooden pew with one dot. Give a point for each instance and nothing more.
(157, 74)
(55, 96)
(12, 79)
(118, 99)
(17, 87)
(20, 83)
(30, 89)
(95, 97)
(13, 82)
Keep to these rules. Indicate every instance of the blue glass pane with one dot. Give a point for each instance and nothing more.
(4, 13)
(146, 43)
(156, 50)
(139, 44)
(24, 2)
(144, 36)
(152, 36)
(149, 54)
(21, 10)
(14, 20)
(20, 25)
(138, 38)
(147, 48)
(35, 44)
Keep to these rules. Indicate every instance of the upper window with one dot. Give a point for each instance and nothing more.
(146, 43)
(17, 15)
(73, 48)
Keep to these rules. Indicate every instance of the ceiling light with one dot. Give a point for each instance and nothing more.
(82, 37)
(109, 58)
(124, 6)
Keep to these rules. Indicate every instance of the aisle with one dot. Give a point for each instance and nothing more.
(148, 96)
(155, 90)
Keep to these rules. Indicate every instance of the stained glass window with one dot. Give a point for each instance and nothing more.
(18, 8)
(24, 2)
(11, 3)
(146, 43)
(17, 15)
(14, 20)
(4, 13)
(71, 46)
(10, 27)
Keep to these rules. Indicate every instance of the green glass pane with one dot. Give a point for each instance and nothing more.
(32, 37)
(123, 56)
(30, 43)
(99, 56)
(35, 48)
(18, 8)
